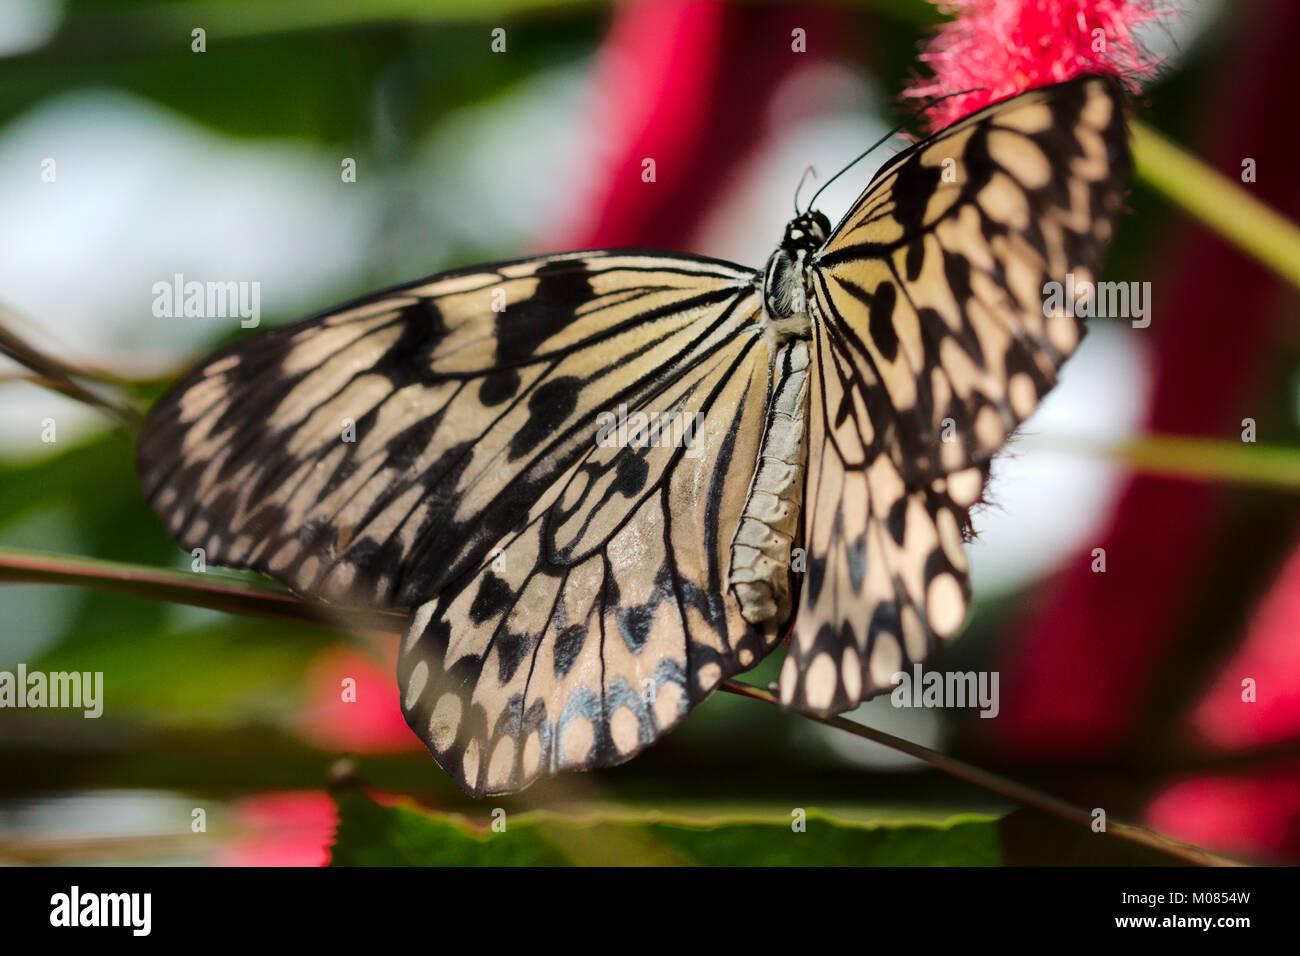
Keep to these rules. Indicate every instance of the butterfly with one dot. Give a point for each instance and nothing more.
(604, 482)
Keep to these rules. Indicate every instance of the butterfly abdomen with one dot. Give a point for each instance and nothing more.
(759, 573)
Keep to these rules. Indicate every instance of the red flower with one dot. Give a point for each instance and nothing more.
(1252, 816)
(291, 828)
(365, 715)
(1255, 699)
(686, 83)
(998, 48)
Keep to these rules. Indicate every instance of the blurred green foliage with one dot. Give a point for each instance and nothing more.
(369, 834)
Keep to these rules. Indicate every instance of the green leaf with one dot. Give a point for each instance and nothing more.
(369, 834)
(373, 835)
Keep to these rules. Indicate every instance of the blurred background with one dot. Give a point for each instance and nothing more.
(500, 129)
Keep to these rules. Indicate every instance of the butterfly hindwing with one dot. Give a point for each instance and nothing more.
(886, 576)
(931, 345)
(602, 620)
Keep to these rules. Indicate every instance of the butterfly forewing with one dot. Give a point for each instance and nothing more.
(931, 346)
(374, 453)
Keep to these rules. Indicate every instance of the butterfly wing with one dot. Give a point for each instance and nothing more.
(373, 453)
(605, 617)
(437, 447)
(931, 345)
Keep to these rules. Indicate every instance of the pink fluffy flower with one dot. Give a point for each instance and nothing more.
(998, 48)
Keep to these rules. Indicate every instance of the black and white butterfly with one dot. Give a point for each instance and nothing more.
(571, 598)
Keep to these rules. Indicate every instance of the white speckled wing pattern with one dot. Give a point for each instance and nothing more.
(570, 597)
(931, 345)
(605, 616)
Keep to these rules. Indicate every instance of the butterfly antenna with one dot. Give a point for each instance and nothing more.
(892, 133)
(802, 179)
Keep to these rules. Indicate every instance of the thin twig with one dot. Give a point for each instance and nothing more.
(1003, 787)
(60, 376)
(1187, 458)
(207, 589)
(224, 593)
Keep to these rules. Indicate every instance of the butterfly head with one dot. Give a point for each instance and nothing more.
(784, 292)
(806, 232)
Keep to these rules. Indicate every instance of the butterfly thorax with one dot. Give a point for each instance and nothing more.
(785, 291)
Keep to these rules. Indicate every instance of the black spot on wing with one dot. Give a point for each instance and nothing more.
(634, 625)
(817, 560)
(511, 650)
(632, 473)
(498, 386)
(408, 360)
(548, 408)
(856, 552)
(523, 327)
(884, 619)
(492, 597)
(956, 269)
(610, 594)
(435, 326)
(816, 576)
(915, 259)
(978, 163)
(933, 331)
(915, 185)
(881, 325)
(568, 645)
(897, 521)
(409, 444)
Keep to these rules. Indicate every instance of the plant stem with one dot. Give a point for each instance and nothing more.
(57, 375)
(1223, 205)
(1189, 457)
(208, 589)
